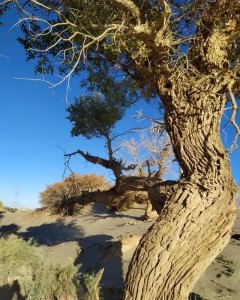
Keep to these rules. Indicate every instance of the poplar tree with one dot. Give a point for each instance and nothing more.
(187, 53)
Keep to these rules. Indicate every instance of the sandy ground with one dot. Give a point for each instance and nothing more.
(99, 239)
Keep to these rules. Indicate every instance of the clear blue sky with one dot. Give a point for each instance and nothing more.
(33, 125)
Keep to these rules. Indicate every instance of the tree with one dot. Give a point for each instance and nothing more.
(95, 116)
(187, 52)
(151, 152)
(152, 155)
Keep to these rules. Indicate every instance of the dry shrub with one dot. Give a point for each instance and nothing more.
(23, 268)
(61, 197)
(21, 262)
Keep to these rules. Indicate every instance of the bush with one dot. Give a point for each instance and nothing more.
(60, 197)
(91, 283)
(21, 264)
(20, 260)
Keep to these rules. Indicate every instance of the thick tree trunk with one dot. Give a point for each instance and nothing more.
(195, 223)
(189, 234)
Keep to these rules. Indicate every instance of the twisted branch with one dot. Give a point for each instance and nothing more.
(233, 116)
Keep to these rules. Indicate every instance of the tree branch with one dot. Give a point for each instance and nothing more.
(93, 159)
(127, 6)
(113, 164)
(233, 115)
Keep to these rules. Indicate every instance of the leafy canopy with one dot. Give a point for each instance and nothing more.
(96, 114)
(152, 45)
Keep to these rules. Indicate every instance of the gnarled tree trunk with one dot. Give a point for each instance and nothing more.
(127, 191)
(197, 218)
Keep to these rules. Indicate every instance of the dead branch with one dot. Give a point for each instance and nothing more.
(233, 116)
(117, 166)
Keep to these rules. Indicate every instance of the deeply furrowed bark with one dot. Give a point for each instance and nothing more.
(195, 223)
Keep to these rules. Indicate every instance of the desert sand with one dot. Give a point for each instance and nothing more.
(98, 238)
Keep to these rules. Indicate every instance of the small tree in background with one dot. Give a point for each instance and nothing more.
(95, 116)
(60, 197)
(153, 156)
(151, 152)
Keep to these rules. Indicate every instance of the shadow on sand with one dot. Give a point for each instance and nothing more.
(99, 252)
(236, 237)
(194, 296)
(6, 230)
(52, 234)
(49, 234)
(9, 292)
(99, 210)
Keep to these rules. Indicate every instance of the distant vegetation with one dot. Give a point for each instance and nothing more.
(2, 207)
(60, 197)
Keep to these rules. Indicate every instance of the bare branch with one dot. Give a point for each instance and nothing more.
(4, 56)
(117, 166)
(78, 53)
(39, 4)
(35, 79)
(233, 116)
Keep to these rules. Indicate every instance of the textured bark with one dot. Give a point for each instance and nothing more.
(150, 212)
(189, 234)
(191, 55)
(127, 191)
(195, 223)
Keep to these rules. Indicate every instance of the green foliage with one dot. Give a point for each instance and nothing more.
(95, 116)
(91, 283)
(93, 17)
(59, 196)
(109, 96)
(53, 282)
(3, 8)
(20, 260)
(17, 258)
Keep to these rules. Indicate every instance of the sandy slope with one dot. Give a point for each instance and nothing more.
(98, 239)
